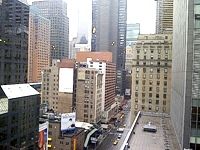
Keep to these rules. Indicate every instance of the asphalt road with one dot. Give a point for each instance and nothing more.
(107, 144)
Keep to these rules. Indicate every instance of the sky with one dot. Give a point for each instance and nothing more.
(138, 11)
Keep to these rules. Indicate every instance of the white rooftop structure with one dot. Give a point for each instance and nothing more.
(84, 125)
(18, 90)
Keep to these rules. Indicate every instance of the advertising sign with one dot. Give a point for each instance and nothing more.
(66, 80)
(68, 121)
(42, 139)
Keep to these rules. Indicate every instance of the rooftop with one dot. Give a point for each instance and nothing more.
(18, 90)
(164, 138)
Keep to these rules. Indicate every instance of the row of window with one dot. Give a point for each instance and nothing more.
(151, 82)
(150, 108)
(151, 57)
(151, 70)
(150, 95)
(151, 101)
(151, 89)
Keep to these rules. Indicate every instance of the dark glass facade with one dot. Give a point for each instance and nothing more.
(19, 126)
(109, 33)
(14, 18)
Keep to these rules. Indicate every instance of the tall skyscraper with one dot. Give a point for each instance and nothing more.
(56, 12)
(39, 44)
(14, 16)
(109, 33)
(164, 16)
(185, 108)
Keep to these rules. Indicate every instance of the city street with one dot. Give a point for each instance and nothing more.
(107, 144)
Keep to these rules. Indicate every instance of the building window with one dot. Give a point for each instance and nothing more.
(137, 69)
(150, 101)
(151, 76)
(149, 107)
(136, 100)
(157, 95)
(165, 70)
(164, 95)
(165, 89)
(143, 95)
(165, 83)
(143, 101)
(157, 89)
(136, 94)
(144, 70)
(164, 109)
(151, 70)
(158, 76)
(158, 70)
(165, 76)
(143, 107)
(150, 94)
(143, 88)
(136, 106)
(144, 76)
(137, 63)
(136, 88)
(151, 63)
(164, 102)
(158, 83)
(157, 102)
(137, 81)
(151, 56)
(138, 56)
(143, 82)
(137, 75)
(150, 88)
(157, 108)
(150, 82)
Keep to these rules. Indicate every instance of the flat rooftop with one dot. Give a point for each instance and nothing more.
(163, 139)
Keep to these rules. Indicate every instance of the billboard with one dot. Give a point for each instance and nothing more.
(66, 80)
(43, 140)
(68, 121)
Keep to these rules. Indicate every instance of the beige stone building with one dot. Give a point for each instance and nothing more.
(39, 45)
(151, 73)
(164, 16)
(57, 86)
(88, 95)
